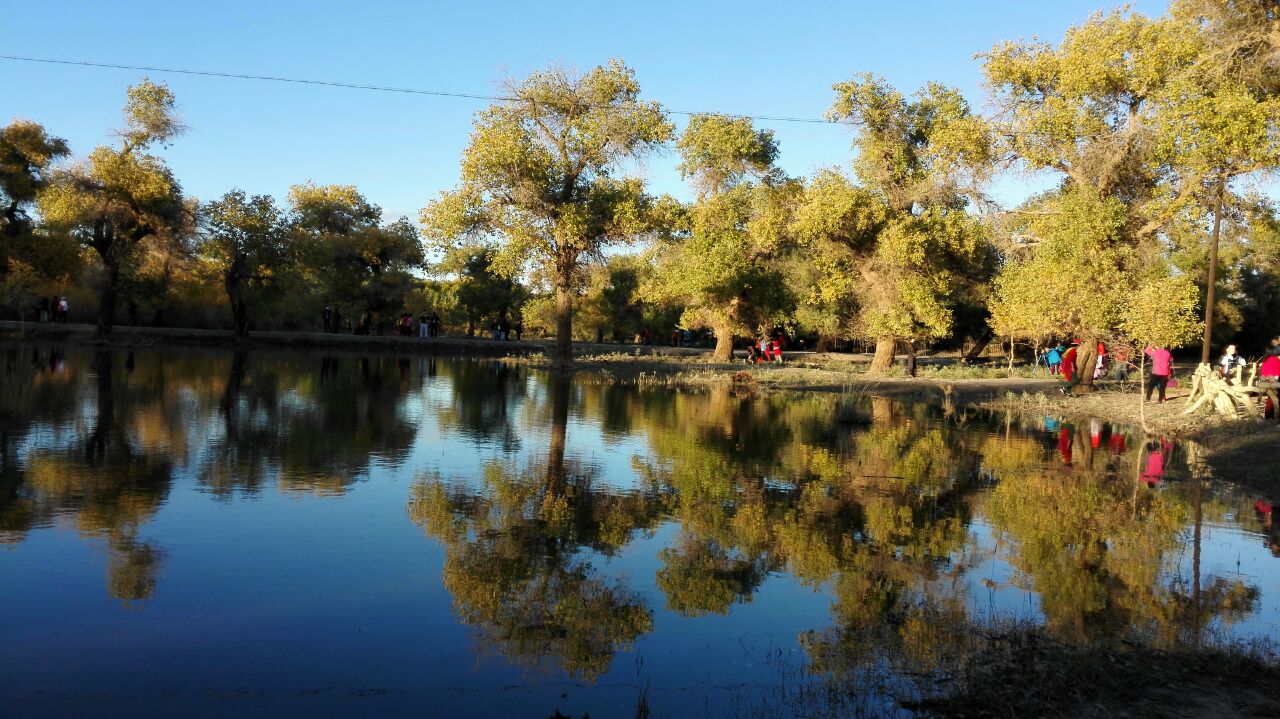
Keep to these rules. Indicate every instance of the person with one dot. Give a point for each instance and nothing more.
(519, 329)
(1122, 365)
(1053, 358)
(42, 307)
(753, 353)
(328, 318)
(1101, 362)
(362, 325)
(406, 324)
(1161, 371)
(675, 336)
(424, 324)
(775, 348)
(1229, 361)
(1269, 371)
(434, 322)
(64, 309)
(1069, 374)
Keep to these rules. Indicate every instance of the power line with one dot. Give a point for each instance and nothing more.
(359, 86)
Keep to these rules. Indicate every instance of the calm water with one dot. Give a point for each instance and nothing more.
(188, 533)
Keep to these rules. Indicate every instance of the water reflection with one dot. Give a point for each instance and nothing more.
(905, 520)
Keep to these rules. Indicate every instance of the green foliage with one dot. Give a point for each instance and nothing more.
(1163, 313)
(246, 243)
(119, 197)
(895, 254)
(540, 177)
(354, 261)
(721, 261)
(482, 295)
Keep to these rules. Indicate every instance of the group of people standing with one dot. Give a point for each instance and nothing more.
(767, 349)
(428, 325)
(53, 309)
(1061, 360)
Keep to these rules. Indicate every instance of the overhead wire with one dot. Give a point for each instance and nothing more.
(368, 87)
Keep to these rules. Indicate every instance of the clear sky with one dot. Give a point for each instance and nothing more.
(766, 58)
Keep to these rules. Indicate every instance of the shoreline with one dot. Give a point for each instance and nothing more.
(1242, 450)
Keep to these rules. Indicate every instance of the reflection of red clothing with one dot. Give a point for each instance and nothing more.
(1262, 507)
(1155, 467)
(1116, 443)
(1064, 445)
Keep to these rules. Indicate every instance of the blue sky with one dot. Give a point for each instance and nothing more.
(400, 150)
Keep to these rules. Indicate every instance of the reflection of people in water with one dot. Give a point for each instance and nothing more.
(1064, 444)
(1095, 433)
(1270, 529)
(1116, 443)
(1157, 455)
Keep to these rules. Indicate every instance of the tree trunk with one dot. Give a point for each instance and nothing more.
(1212, 282)
(562, 357)
(883, 359)
(107, 302)
(979, 346)
(1142, 391)
(881, 411)
(1086, 358)
(239, 310)
(724, 345)
(561, 389)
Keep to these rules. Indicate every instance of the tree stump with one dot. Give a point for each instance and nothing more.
(1229, 396)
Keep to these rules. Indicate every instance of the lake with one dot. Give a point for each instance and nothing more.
(201, 533)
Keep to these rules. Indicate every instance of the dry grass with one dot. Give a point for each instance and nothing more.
(1024, 673)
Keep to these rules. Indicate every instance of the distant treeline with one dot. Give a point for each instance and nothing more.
(1156, 129)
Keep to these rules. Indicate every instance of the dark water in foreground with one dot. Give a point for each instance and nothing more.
(195, 534)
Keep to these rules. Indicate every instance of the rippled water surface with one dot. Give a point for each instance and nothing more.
(199, 533)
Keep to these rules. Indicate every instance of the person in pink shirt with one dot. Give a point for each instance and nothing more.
(1161, 370)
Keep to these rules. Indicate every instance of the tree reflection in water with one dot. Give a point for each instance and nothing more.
(512, 544)
(871, 501)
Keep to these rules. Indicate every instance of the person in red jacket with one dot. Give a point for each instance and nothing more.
(1069, 374)
(1269, 370)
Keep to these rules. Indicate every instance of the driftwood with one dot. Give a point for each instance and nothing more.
(1228, 396)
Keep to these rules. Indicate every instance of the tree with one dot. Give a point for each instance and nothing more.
(355, 261)
(481, 292)
(246, 241)
(1222, 119)
(27, 152)
(900, 248)
(1161, 313)
(539, 175)
(1087, 109)
(119, 197)
(720, 262)
(611, 304)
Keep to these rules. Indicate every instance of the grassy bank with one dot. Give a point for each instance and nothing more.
(1025, 673)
